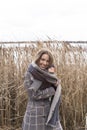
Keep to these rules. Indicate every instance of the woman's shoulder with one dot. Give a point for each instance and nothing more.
(28, 75)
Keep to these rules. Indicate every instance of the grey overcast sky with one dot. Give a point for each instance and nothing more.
(25, 20)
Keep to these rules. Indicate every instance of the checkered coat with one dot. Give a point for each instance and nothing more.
(38, 107)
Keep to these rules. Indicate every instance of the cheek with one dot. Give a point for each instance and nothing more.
(40, 62)
(47, 64)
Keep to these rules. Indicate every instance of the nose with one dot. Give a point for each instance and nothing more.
(45, 63)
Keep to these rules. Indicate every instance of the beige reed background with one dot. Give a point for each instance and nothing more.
(71, 64)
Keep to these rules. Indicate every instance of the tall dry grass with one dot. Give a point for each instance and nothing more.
(71, 64)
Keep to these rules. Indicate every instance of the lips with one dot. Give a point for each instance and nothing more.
(42, 67)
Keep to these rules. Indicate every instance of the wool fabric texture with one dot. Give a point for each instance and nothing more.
(39, 103)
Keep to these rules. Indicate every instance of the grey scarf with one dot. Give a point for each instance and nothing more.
(42, 74)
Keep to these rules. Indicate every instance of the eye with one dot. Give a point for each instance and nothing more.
(47, 61)
(42, 59)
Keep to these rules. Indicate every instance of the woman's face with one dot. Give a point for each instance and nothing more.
(44, 61)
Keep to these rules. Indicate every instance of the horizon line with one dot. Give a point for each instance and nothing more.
(44, 41)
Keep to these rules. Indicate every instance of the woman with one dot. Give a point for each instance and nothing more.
(41, 86)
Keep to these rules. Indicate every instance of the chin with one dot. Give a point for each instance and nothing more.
(42, 68)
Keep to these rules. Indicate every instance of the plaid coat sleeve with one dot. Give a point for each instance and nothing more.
(43, 94)
(28, 80)
(32, 85)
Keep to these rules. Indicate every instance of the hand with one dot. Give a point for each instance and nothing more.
(58, 82)
(51, 70)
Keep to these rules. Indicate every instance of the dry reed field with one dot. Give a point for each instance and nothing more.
(71, 64)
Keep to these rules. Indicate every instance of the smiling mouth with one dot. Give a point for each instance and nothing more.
(42, 67)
